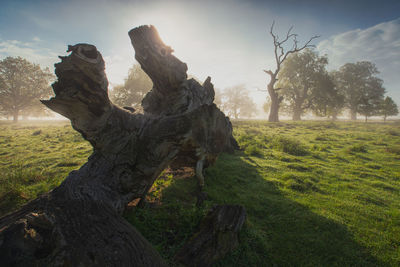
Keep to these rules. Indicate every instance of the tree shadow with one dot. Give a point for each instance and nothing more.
(279, 231)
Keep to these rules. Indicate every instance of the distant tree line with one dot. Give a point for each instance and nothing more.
(301, 85)
(306, 86)
(234, 101)
(131, 92)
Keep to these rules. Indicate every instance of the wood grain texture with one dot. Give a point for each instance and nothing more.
(218, 235)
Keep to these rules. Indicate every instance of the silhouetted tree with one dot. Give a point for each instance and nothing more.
(281, 55)
(302, 77)
(22, 84)
(237, 102)
(388, 108)
(131, 93)
(360, 86)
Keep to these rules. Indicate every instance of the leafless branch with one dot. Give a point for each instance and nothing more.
(272, 27)
(280, 54)
(269, 72)
(288, 35)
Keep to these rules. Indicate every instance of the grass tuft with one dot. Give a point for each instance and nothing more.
(358, 148)
(290, 146)
(393, 149)
(253, 150)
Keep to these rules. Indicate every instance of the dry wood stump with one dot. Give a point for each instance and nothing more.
(79, 223)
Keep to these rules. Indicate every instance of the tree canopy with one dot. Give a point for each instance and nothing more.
(371, 99)
(328, 101)
(303, 80)
(360, 87)
(388, 108)
(237, 103)
(22, 85)
(135, 87)
(305, 85)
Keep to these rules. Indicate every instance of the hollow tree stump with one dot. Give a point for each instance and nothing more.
(79, 223)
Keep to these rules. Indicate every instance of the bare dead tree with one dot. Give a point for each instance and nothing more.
(280, 56)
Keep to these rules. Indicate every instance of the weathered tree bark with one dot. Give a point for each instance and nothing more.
(300, 103)
(79, 223)
(275, 99)
(217, 236)
(297, 111)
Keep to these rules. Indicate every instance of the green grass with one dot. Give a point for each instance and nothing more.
(316, 193)
(35, 158)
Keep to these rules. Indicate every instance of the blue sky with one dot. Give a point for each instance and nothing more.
(227, 40)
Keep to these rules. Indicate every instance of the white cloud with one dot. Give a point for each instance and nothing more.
(117, 65)
(379, 44)
(39, 55)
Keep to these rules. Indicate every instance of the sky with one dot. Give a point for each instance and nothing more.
(227, 40)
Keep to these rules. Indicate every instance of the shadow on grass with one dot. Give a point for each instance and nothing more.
(278, 231)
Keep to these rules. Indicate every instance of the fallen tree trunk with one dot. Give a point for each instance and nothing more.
(80, 222)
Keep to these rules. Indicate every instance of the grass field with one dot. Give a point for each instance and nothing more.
(316, 193)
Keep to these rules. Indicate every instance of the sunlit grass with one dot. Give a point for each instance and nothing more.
(316, 193)
(35, 158)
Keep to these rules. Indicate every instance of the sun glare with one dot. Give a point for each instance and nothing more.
(174, 35)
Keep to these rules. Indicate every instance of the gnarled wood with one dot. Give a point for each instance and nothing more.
(79, 222)
(217, 236)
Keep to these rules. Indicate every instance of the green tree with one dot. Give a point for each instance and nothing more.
(328, 100)
(237, 103)
(303, 80)
(372, 97)
(357, 82)
(135, 87)
(22, 85)
(388, 108)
